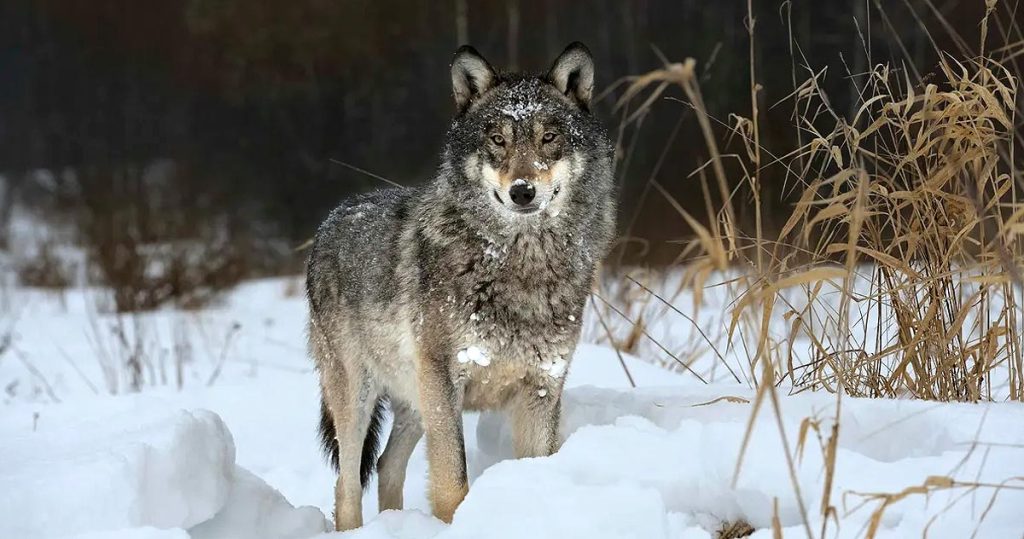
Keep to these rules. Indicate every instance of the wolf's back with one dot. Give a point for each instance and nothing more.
(356, 251)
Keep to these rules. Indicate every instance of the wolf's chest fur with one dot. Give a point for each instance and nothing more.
(511, 306)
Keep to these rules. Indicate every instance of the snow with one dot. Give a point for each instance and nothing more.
(555, 367)
(686, 452)
(492, 250)
(121, 468)
(151, 469)
(147, 532)
(519, 110)
(236, 455)
(473, 354)
(256, 511)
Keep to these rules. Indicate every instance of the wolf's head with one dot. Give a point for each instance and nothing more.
(525, 147)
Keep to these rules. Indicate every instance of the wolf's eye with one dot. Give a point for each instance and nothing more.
(498, 140)
(549, 137)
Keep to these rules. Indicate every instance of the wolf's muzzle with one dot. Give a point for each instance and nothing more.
(522, 193)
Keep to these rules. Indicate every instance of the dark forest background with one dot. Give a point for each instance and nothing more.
(217, 121)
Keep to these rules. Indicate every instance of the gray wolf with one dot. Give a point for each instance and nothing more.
(467, 292)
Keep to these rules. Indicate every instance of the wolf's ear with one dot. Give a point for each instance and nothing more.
(471, 76)
(573, 74)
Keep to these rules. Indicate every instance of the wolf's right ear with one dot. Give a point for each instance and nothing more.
(471, 76)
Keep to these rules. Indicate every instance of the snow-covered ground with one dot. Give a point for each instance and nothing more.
(232, 452)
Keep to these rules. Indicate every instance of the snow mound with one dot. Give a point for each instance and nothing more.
(537, 498)
(660, 463)
(151, 474)
(395, 525)
(134, 533)
(166, 470)
(254, 510)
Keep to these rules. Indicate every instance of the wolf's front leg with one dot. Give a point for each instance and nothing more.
(441, 410)
(535, 413)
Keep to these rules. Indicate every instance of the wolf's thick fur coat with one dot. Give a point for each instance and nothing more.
(452, 296)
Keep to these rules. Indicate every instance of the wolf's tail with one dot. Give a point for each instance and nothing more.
(329, 440)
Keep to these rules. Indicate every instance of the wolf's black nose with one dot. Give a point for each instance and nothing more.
(522, 193)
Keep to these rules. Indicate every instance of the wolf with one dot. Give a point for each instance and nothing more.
(467, 292)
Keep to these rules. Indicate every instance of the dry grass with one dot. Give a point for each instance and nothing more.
(151, 245)
(921, 205)
(900, 263)
(734, 530)
(125, 352)
(136, 351)
(144, 276)
(900, 260)
(46, 269)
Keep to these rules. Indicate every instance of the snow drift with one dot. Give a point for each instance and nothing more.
(140, 472)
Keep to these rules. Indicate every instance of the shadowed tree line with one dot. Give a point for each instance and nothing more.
(219, 119)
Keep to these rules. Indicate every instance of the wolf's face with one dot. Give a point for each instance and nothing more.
(522, 143)
(524, 159)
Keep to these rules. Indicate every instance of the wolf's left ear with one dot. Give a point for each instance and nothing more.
(471, 76)
(573, 74)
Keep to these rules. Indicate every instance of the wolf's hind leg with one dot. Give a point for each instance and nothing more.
(352, 405)
(406, 431)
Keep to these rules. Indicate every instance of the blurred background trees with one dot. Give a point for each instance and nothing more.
(215, 122)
